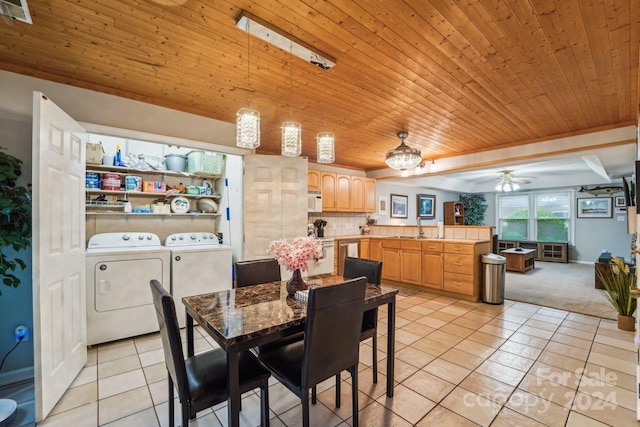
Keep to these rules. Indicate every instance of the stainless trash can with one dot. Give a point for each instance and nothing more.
(493, 274)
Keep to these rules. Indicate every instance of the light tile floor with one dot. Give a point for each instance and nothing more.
(457, 364)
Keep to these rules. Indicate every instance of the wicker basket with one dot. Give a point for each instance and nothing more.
(201, 163)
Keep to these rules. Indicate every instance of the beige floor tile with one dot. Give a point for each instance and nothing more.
(148, 342)
(151, 357)
(466, 323)
(580, 326)
(613, 363)
(513, 317)
(146, 418)
(554, 392)
(604, 412)
(535, 322)
(476, 408)
(120, 383)
(281, 399)
(377, 415)
(77, 396)
(444, 338)
(433, 305)
(504, 324)
(427, 345)
(211, 420)
(529, 340)
(407, 403)
(118, 366)
(512, 360)
(557, 375)
(250, 414)
(414, 357)
(610, 329)
(162, 412)
(486, 339)
(626, 344)
(431, 322)
(488, 387)
(420, 310)
(441, 315)
(428, 385)
(418, 329)
(457, 330)
(577, 333)
(611, 376)
(510, 418)
(319, 415)
(478, 317)
(402, 370)
(475, 348)
(561, 361)
(496, 331)
(521, 349)
(447, 371)
(462, 358)
(92, 356)
(568, 350)
(123, 404)
(578, 420)
(455, 311)
(609, 393)
(160, 392)
(583, 318)
(618, 353)
(548, 320)
(536, 332)
(441, 416)
(328, 398)
(406, 337)
(552, 312)
(108, 352)
(367, 386)
(157, 372)
(573, 341)
(500, 372)
(537, 408)
(81, 416)
(409, 315)
(87, 375)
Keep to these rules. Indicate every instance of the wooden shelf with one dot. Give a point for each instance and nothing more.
(150, 194)
(153, 214)
(453, 213)
(133, 171)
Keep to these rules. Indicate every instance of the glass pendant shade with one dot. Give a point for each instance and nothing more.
(248, 128)
(434, 167)
(507, 186)
(326, 147)
(291, 139)
(403, 156)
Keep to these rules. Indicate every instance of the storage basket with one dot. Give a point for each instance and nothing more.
(201, 163)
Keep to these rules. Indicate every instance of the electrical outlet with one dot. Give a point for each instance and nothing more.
(21, 331)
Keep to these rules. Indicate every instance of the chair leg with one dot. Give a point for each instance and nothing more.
(185, 414)
(338, 381)
(305, 409)
(314, 397)
(264, 404)
(354, 395)
(374, 344)
(171, 406)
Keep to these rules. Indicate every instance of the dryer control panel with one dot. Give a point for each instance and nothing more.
(191, 239)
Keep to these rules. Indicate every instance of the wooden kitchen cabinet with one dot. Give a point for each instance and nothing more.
(391, 259)
(410, 254)
(329, 188)
(375, 249)
(453, 213)
(313, 180)
(370, 195)
(432, 263)
(357, 193)
(343, 192)
(364, 248)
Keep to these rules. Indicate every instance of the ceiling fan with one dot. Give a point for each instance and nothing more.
(507, 181)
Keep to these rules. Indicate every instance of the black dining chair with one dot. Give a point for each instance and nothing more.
(257, 271)
(201, 380)
(331, 343)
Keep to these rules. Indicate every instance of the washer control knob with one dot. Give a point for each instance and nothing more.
(149, 237)
(181, 237)
(193, 237)
(140, 237)
(126, 237)
(173, 238)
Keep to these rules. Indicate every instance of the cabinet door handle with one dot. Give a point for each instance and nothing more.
(457, 264)
(457, 283)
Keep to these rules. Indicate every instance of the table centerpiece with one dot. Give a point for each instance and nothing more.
(294, 256)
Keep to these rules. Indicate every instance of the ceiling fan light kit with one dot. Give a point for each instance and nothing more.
(403, 157)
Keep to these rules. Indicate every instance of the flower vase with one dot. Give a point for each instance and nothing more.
(626, 323)
(296, 283)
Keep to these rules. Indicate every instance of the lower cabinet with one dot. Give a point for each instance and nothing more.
(364, 248)
(410, 254)
(432, 270)
(391, 263)
(375, 250)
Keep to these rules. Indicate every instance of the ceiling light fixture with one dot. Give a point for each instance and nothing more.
(434, 167)
(403, 156)
(248, 120)
(506, 183)
(325, 141)
(291, 131)
(420, 169)
(404, 173)
(277, 37)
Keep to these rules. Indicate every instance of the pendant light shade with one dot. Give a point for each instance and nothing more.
(248, 128)
(403, 157)
(291, 139)
(326, 147)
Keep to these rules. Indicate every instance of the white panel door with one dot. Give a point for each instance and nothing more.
(59, 305)
(275, 201)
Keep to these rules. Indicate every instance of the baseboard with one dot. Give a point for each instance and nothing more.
(16, 375)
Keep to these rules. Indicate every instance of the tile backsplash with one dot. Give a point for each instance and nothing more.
(340, 224)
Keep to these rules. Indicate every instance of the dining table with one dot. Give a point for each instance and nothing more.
(243, 318)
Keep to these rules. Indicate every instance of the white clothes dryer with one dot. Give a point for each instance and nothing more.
(199, 265)
(119, 269)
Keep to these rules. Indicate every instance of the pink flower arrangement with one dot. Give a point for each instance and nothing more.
(295, 255)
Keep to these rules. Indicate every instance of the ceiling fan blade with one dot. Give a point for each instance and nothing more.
(522, 180)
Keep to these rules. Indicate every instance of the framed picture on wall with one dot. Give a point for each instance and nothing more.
(383, 205)
(399, 206)
(426, 205)
(594, 207)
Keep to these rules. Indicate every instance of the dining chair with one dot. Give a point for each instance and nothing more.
(331, 343)
(257, 271)
(201, 380)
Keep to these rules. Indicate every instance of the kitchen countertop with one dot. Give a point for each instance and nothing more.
(372, 236)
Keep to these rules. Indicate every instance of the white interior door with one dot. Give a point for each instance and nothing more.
(275, 201)
(59, 305)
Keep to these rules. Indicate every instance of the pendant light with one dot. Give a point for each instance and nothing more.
(403, 157)
(248, 120)
(291, 131)
(325, 141)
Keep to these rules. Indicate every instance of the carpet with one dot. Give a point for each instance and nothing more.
(563, 286)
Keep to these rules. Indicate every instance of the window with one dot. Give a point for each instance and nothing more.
(544, 216)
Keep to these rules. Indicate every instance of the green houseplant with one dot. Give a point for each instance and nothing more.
(15, 218)
(475, 207)
(618, 288)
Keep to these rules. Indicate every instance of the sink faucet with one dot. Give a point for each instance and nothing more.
(420, 232)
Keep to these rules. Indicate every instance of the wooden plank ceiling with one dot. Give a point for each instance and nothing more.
(459, 76)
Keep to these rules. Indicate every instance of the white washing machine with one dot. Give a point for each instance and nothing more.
(199, 265)
(119, 269)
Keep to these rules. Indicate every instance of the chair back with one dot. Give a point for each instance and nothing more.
(358, 267)
(170, 334)
(257, 271)
(332, 330)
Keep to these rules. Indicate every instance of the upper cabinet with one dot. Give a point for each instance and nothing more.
(344, 193)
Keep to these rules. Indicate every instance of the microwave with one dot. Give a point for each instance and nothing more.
(314, 201)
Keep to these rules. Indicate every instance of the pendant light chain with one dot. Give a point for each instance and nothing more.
(325, 141)
(291, 80)
(291, 131)
(248, 120)
(248, 66)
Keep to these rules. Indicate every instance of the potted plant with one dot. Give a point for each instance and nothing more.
(618, 287)
(15, 218)
(474, 208)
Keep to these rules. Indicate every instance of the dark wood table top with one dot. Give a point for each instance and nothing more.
(247, 313)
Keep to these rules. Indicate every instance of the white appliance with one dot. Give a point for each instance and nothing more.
(323, 265)
(199, 265)
(314, 201)
(119, 269)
